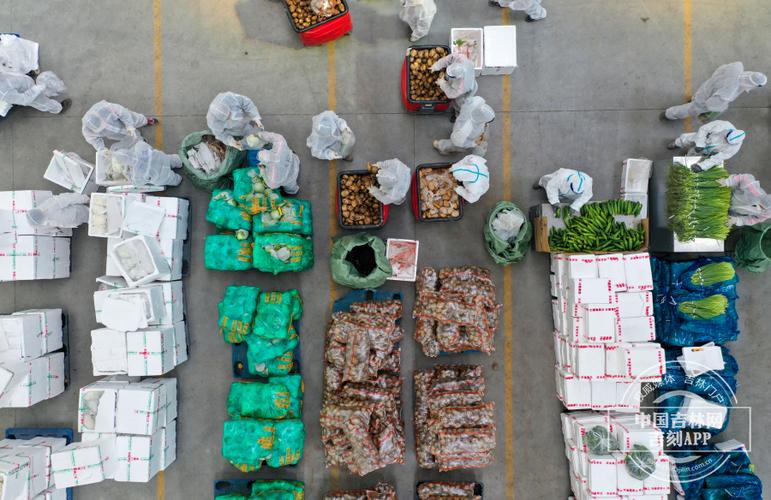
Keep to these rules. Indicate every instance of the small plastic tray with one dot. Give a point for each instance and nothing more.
(384, 209)
(54, 432)
(436, 106)
(416, 195)
(478, 487)
(240, 361)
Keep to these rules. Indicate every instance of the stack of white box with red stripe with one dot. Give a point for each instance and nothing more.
(25, 468)
(607, 476)
(31, 369)
(128, 432)
(604, 328)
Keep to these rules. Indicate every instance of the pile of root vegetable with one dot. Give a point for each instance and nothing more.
(304, 17)
(358, 206)
(596, 229)
(697, 203)
(423, 85)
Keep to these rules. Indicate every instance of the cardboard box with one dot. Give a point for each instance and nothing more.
(169, 441)
(639, 276)
(21, 337)
(611, 266)
(138, 457)
(82, 463)
(642, 329)
(600, 322)
(150, 351)
(27, 258)
(634, 304)
(16, 204)
(138, 410)
(108, 352)
(50, 325)
(143, 250)
(588, 360)
(500, 50)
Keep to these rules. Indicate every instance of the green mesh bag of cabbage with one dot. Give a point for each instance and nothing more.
(278, 398)
(269, 357)
(288, 443)
(275, 313)
(289, 216)
(263, 489)
(251, 192)
(282, 252)
(225, 252)
(225, 213)
(236, 312)
(247, 443)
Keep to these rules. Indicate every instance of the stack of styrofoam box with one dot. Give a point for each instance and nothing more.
(25, 469)
(603, 318)
(635, 175)
(606, 476)
(30, 252)
(31, 370)
(145, 330)
(128, 429)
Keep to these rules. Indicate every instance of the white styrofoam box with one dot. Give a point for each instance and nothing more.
(500, 50)
(173, 302)
(629, 434)
(634, 304)
(628, 396)
(86, 462)
(561, 272)
(641, 198)
(626, 484)
(583, 423)
(635, 174)
(168, 388)
(700, 412)
(588, 359)
(28, 386)
(105, 215)
(169, 440)
(52, 494)
(39, 459)
(102, 164)
(142, 218)
(14, 476)
(601, 475)
(473, 48)
(554, 259)
(568, 421)
(180, 343)
(559, 352)
(175, 221)
(61, 258)
(698, 360)
(589, 291)
(658, 483)
(553, 285)
(639, 277)
(138, 409)
(139, 260)
(139, 457)
(108, 352)
(150, 351)
(16, 204)
(69, 171)
(580, 266)
(49, 445)
(603, 394)
(640, 361)
(171, 250)
(97, 406)
(6, 377)
(27, 258)
(575, 330)
(51, 327)
(150, 300)
(556, 314)
(641, 329)
(573, 392)
(600, 322)
(21, 337)
(611, 266)
(54, 374)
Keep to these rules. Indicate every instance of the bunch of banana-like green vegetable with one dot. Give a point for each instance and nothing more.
(697, 203)
(706, 308)
(596, 229)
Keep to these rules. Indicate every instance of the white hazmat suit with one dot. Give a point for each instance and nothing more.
(728, 82)
(18, 55)
(750, 204)
(459, 81)
(20, 90)
(147, 165)
(531, 7)
(393, 182)
(717, 141)
(331, 138)
(279, 165)
(474, 177)
(233, 116)
(66, 210)
(418, 14)
(567, 186)
(468, 131)
(108, 120)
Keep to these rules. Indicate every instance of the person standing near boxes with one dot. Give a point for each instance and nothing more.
(533, 8)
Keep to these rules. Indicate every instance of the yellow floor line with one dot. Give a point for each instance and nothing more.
(688, 58)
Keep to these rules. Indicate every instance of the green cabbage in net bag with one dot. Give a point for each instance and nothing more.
(288, 444)
(267, 357)
(259, 400)
(251, 192)
(294, 384)
(225, 213)
(225, 252)
(246, 443)
(359, 261)
(275, 313)
(233, 496)
(237, 311)
(296, 488)
(599, 441)
(640, 462)
(289, 216)
(282, 252)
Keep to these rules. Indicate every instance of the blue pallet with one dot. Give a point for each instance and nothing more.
(29, 433)
(233, 487)
(239, 359)
(344, 303)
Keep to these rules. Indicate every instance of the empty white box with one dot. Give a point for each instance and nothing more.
(69, 171)
(611, 266)
(635, 175)
(641, 329)
(634, 304)
(698, 360)
(639, 277)
(500, 50)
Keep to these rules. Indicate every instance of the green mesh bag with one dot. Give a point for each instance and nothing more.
(246, 443)
(289, 216)
(275, 313)
(282, 252)
(270, 400)
(219, 178)
(225, 252)
(288, 443)
(233, 496)
(359, 261)
(236, 312)
(225, 213)
(268, 357)
(251, 192)
(264, 487)
(514, 250)
(294, 384)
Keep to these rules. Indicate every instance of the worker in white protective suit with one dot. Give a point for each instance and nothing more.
(108, 120)
(17, 89)
(66, 210)
(532, 8)
(232, 116)
(18, 55)
(728, 82)
(750, 204)
(716, 141)
(473, 176)
(393, 182)
(331, 138)
(459, 81)
(279, 165)
(418, 14)
(468, 132)
(144, 165)
(567, 186)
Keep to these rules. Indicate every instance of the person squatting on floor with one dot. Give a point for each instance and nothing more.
(108, 120)
(713, 97)
(231, 117)
(331, 138)
(144, 165)
(567, 186)
(66, 210)
(468, 131)
(459, 81)
(716, 141)
(418, 14)
(279, 165)
(533, 8)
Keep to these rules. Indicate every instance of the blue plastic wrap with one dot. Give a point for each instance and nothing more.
(720, 463)
(732, 486)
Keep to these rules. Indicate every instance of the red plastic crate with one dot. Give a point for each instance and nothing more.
(427, 107)
(415, 190)
(384, 209)
(331, 29)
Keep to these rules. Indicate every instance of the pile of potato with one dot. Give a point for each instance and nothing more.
(438, 199)
(357, 205)
(423, 85)
(304, 17)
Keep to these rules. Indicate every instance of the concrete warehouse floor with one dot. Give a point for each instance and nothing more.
(593, 78)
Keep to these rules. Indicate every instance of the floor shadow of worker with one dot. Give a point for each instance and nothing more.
(267, 21)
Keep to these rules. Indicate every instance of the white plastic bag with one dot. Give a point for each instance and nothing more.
(472, 173)
(507, 224)
(393, 182)
(418, 14)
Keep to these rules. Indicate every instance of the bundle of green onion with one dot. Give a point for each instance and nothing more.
(706, 308)
(715, 272)
(697, 203)
(596, 229)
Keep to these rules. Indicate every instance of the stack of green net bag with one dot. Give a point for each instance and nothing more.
(259, 229)
(272, 489)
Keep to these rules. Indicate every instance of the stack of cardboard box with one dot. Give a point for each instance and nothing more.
(26, 470)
